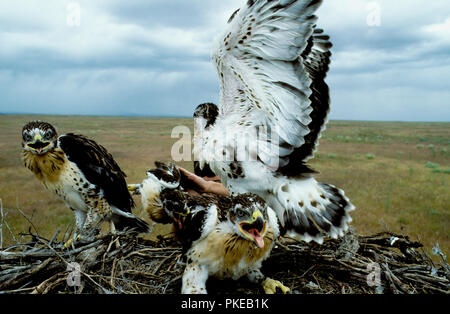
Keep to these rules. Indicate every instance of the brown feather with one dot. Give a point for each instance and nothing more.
(46, 167)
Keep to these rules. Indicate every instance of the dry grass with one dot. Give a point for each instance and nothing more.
(381, 166)
(393, 190)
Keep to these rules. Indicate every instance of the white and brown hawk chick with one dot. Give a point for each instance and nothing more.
(222, 237)
(83, 175)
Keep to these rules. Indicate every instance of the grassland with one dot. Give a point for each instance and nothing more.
(396, 174)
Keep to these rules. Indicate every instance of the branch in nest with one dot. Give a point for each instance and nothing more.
(138, 265)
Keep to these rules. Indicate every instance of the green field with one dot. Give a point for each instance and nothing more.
(396, 174)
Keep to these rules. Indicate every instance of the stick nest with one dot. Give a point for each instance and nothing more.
(125, 263)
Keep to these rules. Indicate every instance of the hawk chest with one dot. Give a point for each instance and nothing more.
(48, 167)
(72, 187)
(62, 177)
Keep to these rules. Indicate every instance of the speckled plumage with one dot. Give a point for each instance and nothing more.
(272, 62)
(83, 175)
(210, 228)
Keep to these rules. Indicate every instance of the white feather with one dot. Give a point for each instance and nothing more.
(264, 84)
(260, 85)
(210, 221)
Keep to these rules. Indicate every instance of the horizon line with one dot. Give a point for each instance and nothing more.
(131, 115)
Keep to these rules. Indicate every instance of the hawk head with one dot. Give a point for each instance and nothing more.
(207, 112)
(248, 215)
(166, 174)
(205, 116)
(175, 205)
(38, 137)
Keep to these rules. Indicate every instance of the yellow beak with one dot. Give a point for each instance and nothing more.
(38, 138)
(258, 239)
(257, 214)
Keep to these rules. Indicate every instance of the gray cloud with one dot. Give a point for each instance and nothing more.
(152, 57)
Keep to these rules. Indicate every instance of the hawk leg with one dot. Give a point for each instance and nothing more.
(91, 227)
(99, 209)
(194, 279)
(114, 232)
(80, 218)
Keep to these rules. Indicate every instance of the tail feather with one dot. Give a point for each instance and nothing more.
(132, 224)
(311, 210)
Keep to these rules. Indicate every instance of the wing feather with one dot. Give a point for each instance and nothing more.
(266, 64)
(272, 63)
(99, 168)
(316, 59)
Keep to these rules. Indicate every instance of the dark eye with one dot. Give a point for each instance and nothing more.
(240, 213)
(49, 133)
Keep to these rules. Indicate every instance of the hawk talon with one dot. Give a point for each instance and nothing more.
(270, 286)
(81, 239)
(70, 241)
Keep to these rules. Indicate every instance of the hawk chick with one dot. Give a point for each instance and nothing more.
(272, 62)
(84, 175)
(223, 237)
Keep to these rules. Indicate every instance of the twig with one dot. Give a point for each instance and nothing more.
(145, 266)
(141, 273)
(21, 276)
(48, 284)
(28, 219)
(20, 290)
(113, 269)
(54, 236)
(307, 271)
(170, 282)
(81, 272)
(162, 262)
(3, 222)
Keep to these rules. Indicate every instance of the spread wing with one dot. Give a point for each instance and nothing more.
(316, 58)
(271, 64)
(99, 168)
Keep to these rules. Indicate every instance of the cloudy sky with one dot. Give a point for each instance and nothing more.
(391, 59)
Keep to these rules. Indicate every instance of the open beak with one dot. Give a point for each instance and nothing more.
(38, 145)
(181, 217)
(256, 229)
